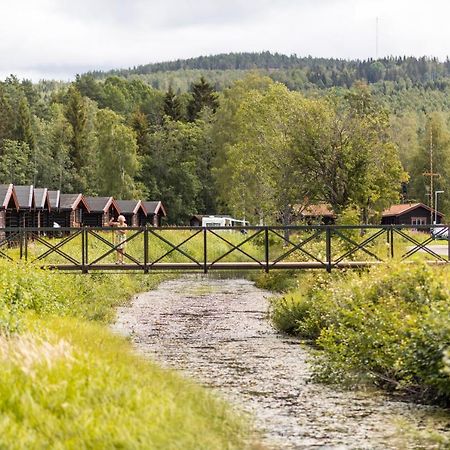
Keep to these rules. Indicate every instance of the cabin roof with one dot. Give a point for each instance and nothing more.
(101, 204)
(54, 197)
(154, 207)
(70, 202)
(8, 193)
(25, 196)
(41, 198)
(318, 210)
(399, 210)
(131, 206)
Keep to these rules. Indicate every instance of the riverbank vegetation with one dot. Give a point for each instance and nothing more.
(389, 327)
(67, 382)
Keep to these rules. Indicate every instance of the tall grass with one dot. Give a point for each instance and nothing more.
(71, 384)
(67, 382)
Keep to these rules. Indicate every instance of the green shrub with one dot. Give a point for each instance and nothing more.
(390, 326)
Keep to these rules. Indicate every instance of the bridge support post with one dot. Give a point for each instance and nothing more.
(84, 250)
(205, 251)
(328, 248)
(21, 243)
(25, 241)
(146, 249)
(391, 241)
(266, 248)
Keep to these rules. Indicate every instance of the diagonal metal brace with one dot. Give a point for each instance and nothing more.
(298, 246)
(56, 248)
(418, 246)
(175, 248)
(236, 247)
(359, 246)
(115, 248)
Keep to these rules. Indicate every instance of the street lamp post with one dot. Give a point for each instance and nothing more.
(435, 204)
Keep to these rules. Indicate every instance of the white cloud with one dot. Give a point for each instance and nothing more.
(58, 38)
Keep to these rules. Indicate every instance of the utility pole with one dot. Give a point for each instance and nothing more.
(431, 173)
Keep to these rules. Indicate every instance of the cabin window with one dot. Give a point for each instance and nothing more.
(418, 220)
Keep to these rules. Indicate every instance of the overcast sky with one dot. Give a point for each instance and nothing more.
(59, 38)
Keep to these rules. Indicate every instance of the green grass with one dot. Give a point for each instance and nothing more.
(71, 384)
(67, 382)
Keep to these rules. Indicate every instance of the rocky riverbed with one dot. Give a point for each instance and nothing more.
(216, 331)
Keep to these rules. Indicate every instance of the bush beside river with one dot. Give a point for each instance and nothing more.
(389, 326)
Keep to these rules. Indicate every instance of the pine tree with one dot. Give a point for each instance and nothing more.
(203, 95)
(76, 114)
(172, 106)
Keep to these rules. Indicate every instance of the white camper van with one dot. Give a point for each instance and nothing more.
(223, 221)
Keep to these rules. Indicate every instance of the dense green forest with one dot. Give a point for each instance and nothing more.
(249, 134)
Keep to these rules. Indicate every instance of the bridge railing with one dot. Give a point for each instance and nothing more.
(266, 248)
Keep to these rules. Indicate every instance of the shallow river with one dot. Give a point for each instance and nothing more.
(217, 332)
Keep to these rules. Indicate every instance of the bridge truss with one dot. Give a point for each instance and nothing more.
(265, 248)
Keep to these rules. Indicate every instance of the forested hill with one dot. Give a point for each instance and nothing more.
(299, 72)
(251, 150)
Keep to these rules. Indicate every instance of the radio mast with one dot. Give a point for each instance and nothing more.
(376, 37)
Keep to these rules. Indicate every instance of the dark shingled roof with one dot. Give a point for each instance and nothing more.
(130, 206)
(154, 207)
(41, 198)
(54, 197)
(69, 201)
(7, 195)
(25, 196)
(398, 210)
(99, 204)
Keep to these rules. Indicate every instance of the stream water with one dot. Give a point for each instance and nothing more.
(217, 332)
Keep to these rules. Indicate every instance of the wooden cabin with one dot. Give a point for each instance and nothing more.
(41, 213)
(320, 213)
(410, 214)
(155, 212)
(134, 212)
(100, 211)
(8, 204)
(71, 211)
(196, 220)
(24, 216)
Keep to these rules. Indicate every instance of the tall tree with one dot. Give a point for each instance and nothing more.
(15, 164)
(264, 179)
(55, 169)
(172, 169)
(172, 105)
(203, 95)
(118, 162)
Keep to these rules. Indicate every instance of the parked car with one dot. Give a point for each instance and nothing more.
(439, 233)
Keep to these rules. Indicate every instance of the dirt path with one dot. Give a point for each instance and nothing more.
(217, 332)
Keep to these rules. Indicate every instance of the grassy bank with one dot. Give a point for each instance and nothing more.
(67, 382)
(390, 327)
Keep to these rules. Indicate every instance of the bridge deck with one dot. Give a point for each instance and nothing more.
(221, 266)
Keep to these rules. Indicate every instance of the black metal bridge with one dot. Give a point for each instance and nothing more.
(267, 248)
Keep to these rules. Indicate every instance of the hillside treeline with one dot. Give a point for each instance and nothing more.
(323, 72)
(257, 148)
